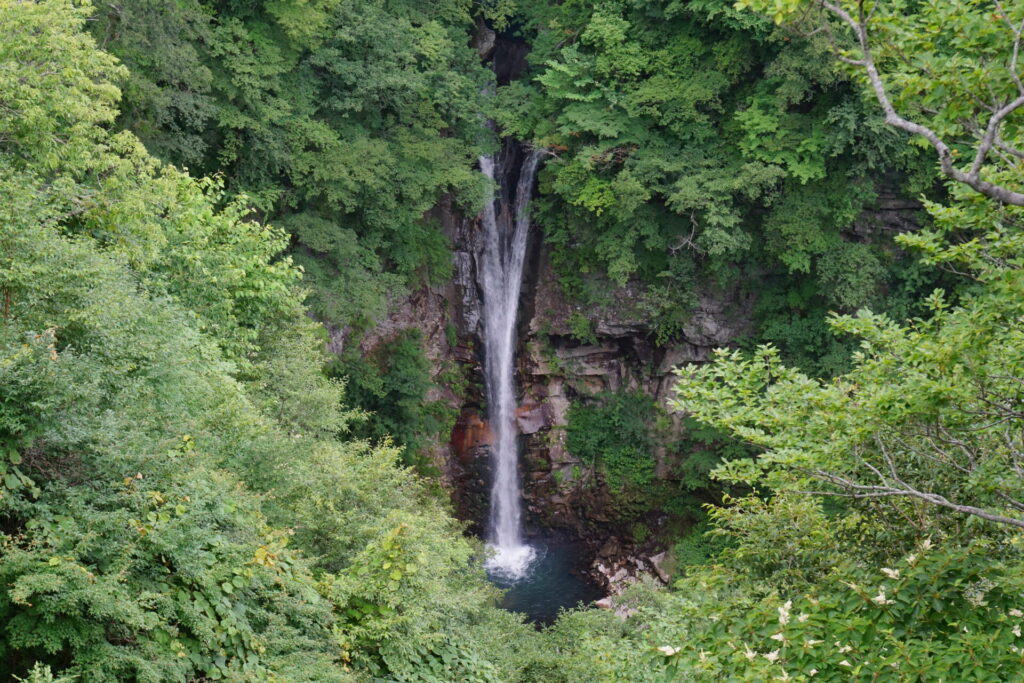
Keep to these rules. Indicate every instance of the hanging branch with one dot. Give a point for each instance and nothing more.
(989, 137)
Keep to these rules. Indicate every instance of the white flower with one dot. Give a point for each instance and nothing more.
(879, 599)
(845, 663)
(772, 656)
(783, 677)
(812, 672)
(911, 560)
(812, 643)
(803, 617)
(750, 654)
(1016, 613)
(926, 543)
(784, 612)
(1016, 630)
(668, 650)
(891, 573)
(779, 637)
(844, 649)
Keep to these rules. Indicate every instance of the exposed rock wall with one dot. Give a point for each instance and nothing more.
(554, 369)
(564, 496)
(620, 355)
(449, 318)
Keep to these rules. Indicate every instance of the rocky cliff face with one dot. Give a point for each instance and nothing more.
(564, 495)
(555, 368)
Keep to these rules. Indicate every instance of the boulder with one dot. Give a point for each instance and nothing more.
(531, 418)
(660, 562)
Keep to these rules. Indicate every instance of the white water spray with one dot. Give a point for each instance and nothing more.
(502, 274)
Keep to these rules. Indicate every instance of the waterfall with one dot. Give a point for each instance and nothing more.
(504, 252)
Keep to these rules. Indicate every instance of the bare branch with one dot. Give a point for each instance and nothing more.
(1012, 502)
(1009, 149)
(991, 131)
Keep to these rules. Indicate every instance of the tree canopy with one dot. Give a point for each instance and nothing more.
(191, 489)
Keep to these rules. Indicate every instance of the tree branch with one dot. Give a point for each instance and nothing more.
(972, 178)
(867, 491)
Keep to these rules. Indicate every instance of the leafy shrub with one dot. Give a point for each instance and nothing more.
(391, 387)
(175, 503)
(612, 431)
(936, 612)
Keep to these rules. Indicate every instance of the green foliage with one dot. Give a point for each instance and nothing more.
(904, 563)
(915, 392)
(792, 317)
(582, 328)
(908, 569)
(687, 137)
(612, 432)
(42, 674)
(618, 434)
(697, 547)
(343, 122)
(392, 387)
(186, 495)
(948, 610)
(175, 503)
(922, 610)
(961, 93)
(700, 450)
(389, 629)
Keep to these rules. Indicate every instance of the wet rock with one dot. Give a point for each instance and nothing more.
(606, 351)
(713, 325)
(617, 567)
(469, 305)
(531, 418)
(681, 355)
(622, 611)
(558, 369)
(610, 549)
(470, 432)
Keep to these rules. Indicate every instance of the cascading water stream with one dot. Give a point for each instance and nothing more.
(502, 273)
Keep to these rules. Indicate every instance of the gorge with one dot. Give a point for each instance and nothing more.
(347, 341)
(604, 534)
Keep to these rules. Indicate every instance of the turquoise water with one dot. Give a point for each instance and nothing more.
(550, 586)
